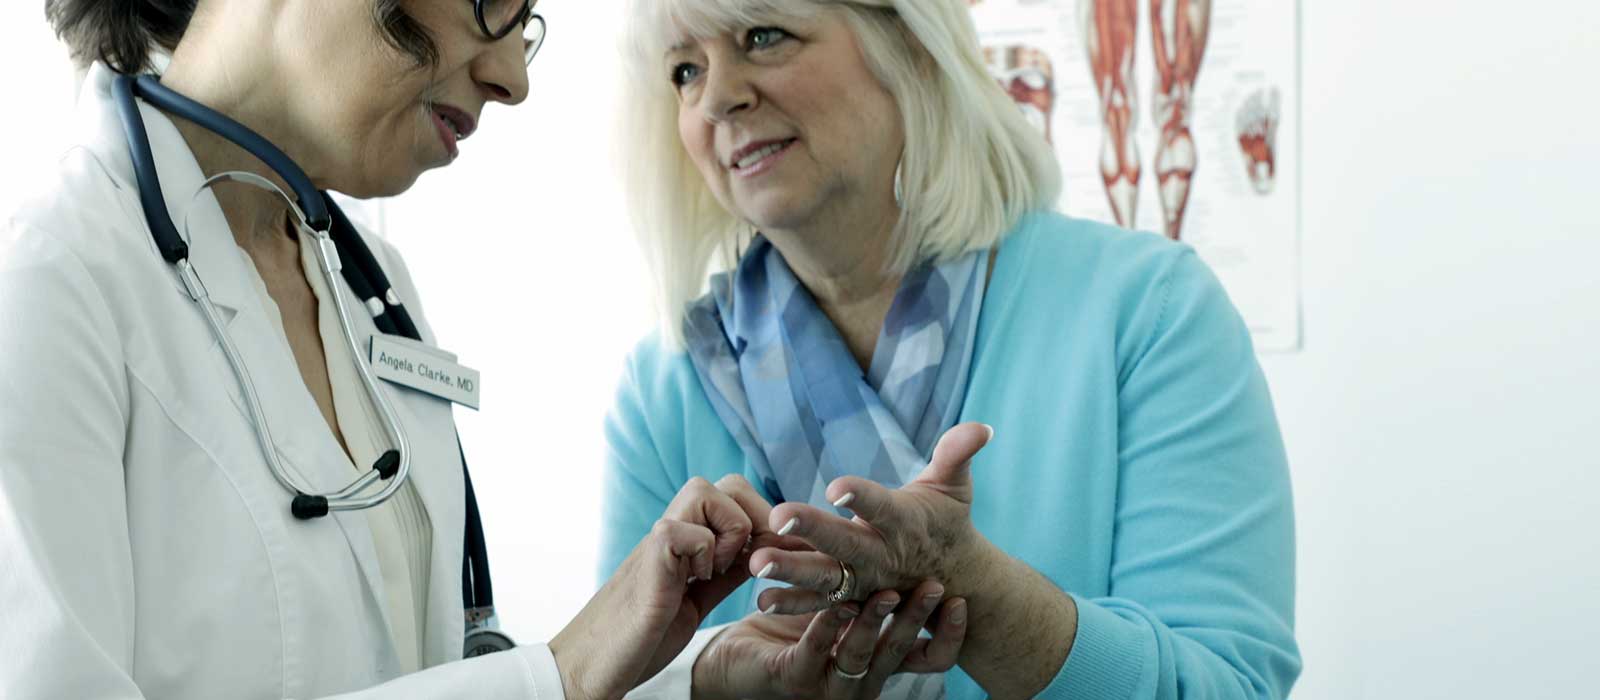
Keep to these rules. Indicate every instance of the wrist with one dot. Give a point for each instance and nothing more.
(975, 564)
(709, 675)
(572, 667)
(566, 666)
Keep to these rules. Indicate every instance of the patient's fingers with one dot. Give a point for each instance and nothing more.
(809, 570)
(867, 499)
(951, 466)
(791, 601)
(854, 542)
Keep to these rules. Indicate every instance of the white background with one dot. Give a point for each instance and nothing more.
(1440, 421)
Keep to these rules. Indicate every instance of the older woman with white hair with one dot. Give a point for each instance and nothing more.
(893, 282)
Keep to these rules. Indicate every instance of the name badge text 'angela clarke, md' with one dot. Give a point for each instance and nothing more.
(425, 368)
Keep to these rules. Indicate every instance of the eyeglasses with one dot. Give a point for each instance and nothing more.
(498, 18)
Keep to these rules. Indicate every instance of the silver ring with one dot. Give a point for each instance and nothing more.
(847, 585)
(851, 676)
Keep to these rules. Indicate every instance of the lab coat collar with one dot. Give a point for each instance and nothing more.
(212, 248)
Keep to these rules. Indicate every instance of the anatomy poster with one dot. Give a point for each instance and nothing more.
(1176, 117)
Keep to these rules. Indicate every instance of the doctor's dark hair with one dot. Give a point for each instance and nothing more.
(121, 33)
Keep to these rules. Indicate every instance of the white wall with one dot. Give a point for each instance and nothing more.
(1441, 419)
(37, 100)
(1438, 420)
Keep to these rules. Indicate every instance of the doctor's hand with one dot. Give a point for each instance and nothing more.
(843, 653)
(898, 539)
(694, 556)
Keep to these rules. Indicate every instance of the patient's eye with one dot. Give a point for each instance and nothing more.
(764, 37)
(684, 73)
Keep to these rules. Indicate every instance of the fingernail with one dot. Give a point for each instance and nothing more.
(958, 613)
(693, 579)
(848, 613)
(772, 607)
(767, 570)
(932, 599)
(887, 606)
(844, 500)
(989, 428)
(788, 527)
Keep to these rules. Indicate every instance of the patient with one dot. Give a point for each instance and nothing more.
(891, 280)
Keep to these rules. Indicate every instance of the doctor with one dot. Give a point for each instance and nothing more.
(164, 398)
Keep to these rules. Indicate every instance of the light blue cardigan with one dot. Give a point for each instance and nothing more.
(1136, 463)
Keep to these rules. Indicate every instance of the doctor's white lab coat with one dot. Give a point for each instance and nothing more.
(145, 548)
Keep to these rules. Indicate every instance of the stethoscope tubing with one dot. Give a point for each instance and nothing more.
(263, 432)
(328, 258)
(318, 218)
(313, 220)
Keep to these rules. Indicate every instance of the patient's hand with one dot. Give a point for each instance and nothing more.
(898, 539)
(814, 655)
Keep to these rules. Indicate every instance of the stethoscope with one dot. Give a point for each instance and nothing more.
(340, 252)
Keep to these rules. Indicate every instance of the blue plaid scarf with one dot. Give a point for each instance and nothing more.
(785, 385)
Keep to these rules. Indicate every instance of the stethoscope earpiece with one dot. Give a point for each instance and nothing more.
(306, 507)
(388, 464)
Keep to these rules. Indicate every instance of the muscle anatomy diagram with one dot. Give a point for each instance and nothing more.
(1109, 27)
(1257, 127)
(1147, 142)
(1178, 39)
(1026, 74)
(1179, 35)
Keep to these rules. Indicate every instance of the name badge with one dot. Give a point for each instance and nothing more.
(425, 368)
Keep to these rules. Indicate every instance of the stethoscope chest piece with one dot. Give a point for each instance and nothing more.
(482, 640)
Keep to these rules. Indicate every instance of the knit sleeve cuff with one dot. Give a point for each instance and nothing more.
(1108, 657)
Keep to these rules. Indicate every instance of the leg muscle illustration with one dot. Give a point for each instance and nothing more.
(1178, 32)
(1026, 74)
(1257, 127)
(1109, 28)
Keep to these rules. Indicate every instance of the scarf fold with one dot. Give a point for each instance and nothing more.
(785, 385)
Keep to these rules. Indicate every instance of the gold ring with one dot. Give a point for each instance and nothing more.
(847, 585)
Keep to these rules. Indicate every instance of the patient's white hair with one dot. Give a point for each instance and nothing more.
(972, 166)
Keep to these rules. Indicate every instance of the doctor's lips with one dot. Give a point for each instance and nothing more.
(454, 126)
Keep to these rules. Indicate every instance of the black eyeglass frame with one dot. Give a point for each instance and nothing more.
(527, 16)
